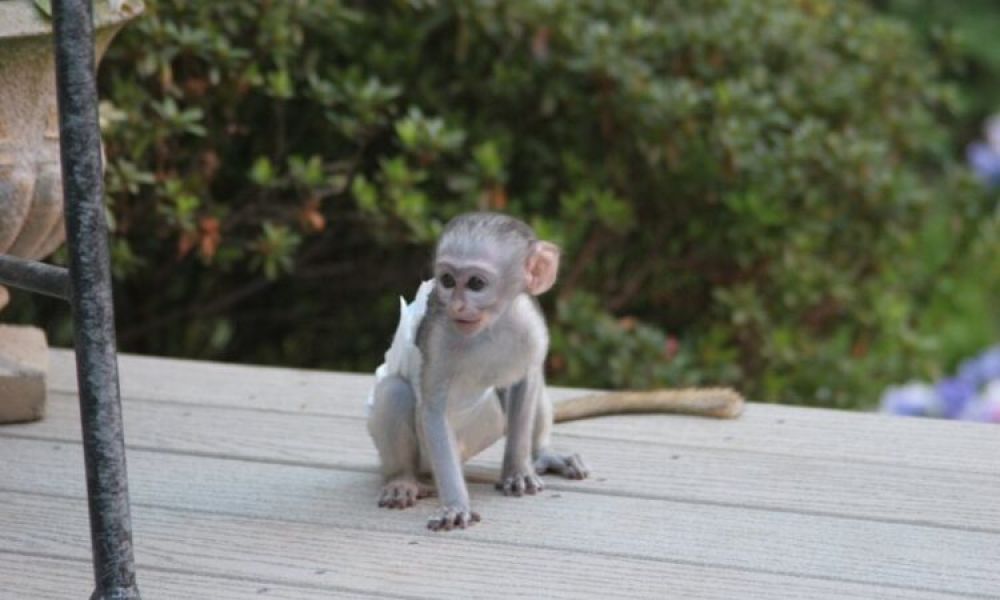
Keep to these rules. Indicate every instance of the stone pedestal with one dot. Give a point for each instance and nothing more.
(24, 361)
(31, 203)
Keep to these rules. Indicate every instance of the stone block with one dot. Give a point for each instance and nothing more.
(24, 362)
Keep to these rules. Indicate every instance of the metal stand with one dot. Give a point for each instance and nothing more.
(88, 282)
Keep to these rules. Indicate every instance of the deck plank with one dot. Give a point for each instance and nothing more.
(247, 478)
(777, 481)
(414, 565)
(726, 538)
(807, 432)
(63, 579)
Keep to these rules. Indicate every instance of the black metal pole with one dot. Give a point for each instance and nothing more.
(93, 311)
(37, 277)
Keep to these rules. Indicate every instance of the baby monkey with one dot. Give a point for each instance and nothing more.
(466, 367)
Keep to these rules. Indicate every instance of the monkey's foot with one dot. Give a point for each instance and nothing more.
(520, 484)
(569, 466)
(452, 517)
(403, 492)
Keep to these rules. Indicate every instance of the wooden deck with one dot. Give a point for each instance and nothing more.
(260, 483)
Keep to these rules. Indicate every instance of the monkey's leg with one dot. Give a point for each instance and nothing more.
(481, 427)
(517, 475)
(546, 459)
(392, 425)
(442, 449)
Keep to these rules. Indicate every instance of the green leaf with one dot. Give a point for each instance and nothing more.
(365, 195)
(262, 172)
(279, 84)
(487, 157)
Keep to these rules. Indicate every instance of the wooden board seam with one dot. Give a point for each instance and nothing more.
(218, 576)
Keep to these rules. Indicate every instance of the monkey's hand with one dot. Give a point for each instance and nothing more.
(520, 482)
(452, 517)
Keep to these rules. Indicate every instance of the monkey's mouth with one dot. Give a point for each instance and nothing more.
(468, 325)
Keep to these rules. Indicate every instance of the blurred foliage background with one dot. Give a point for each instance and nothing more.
(766, 194)
(964, 37)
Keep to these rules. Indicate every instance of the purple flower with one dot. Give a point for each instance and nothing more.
(985, 162)
(986, 407)
(954, 394)
(913, 400)
(981, 369)
(953, 397)
(984, 158)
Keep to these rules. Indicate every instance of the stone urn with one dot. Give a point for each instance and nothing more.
(31, 203)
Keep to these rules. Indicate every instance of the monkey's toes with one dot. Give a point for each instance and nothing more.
(397, 497)
(520, 484)
(570, 467)
(452, 518)
(575, 469)
(402, 493)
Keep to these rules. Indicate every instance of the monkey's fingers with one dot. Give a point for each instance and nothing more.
(452, 518)
(520, 484)
(401, 493)
(396, 498)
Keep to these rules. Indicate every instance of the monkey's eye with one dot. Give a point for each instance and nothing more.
(447, 281)
(476, 283)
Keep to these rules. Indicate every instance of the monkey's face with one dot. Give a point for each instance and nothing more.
(473, 292)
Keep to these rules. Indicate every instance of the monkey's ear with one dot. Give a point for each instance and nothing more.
(542, 267)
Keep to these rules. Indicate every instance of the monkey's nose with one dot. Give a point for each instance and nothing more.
(463, 312)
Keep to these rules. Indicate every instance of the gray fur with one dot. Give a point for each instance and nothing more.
(475, 229)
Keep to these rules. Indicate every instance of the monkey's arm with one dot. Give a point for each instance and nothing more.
(517, 476)
(724, 403)
(443, 454)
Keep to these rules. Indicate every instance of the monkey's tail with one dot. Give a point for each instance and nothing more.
(722, 403)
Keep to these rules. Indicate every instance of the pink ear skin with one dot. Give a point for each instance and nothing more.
(541, 268)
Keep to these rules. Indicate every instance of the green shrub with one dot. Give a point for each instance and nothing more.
(966, 33)
(756, 193)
